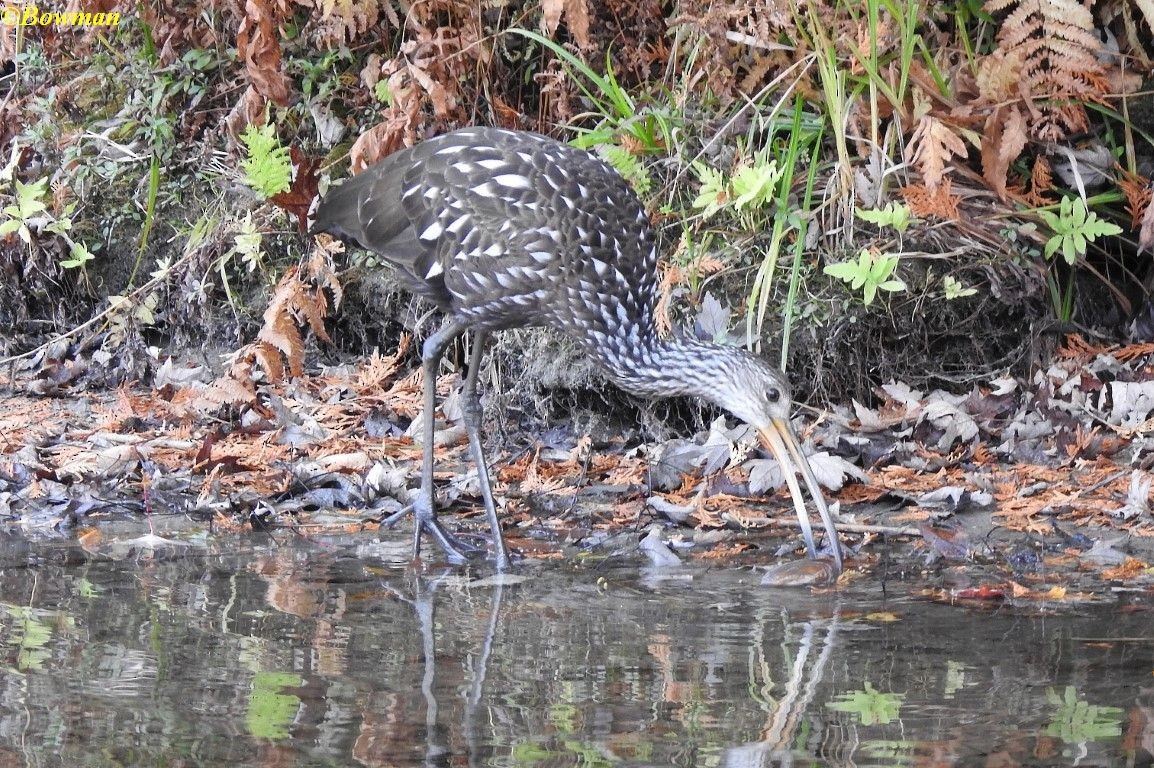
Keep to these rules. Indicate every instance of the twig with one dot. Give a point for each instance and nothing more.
(772, 522)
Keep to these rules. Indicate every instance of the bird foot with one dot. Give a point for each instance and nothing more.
(456, 551)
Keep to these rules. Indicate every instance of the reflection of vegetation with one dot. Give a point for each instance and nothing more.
(588, 755)
(692, 713)
(871, 706)
(888, 752)
(30, 635)
(563, 717)
(528, 753)
(86, 589)
(270, 712)
(1077, 721)
(955, 678)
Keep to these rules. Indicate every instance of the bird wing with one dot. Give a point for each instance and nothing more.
(502, 227)
(521, 227)
(368, 210)
(484, 199)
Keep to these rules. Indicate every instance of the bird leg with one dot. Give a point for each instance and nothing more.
(424, 508)
(472, 413)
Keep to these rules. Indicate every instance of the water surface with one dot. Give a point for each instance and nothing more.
(276, 651)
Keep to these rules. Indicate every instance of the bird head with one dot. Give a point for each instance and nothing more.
(759, 394)
(751, 389)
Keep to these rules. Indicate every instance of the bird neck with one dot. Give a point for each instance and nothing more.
(655, 367)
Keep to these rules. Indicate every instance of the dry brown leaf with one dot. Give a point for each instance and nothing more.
(577, 18)
(293, 302)
(299, 197)
(380, 369)
(258, 46)
(1132, 351)
(89, 538)
(346, 20)
(1138, 191)
(933, 144)
(267, 357)
(1059, 46)
(1146, 232)
(673, 274)
(999, 76)
(113, 461)
(1129, 570)
(1003, 142)
(279, 347)
(248, 110)
(551, 11)
(576, 13)
(941, 203)
(1041, 181)
(231, 389)
(1020, 591)
(377, 143)
(357, 461)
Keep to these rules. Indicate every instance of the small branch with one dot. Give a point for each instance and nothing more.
(770, 522)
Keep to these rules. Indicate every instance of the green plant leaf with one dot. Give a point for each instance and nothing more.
(267, 169)
(630, 167)
(1074, 227)
(845, 270)
(895, 215)
(714, 192)
(754, 185)
(29, 200)
(80, 256)
(869, 273)
(952, 288)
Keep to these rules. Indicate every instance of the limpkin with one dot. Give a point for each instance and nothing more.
(503, 229)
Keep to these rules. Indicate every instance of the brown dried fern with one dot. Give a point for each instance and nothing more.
(299, 300)
(1058, 47)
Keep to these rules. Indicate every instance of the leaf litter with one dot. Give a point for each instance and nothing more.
(1035, 486)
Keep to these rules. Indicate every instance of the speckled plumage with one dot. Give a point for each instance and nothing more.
(506, 229)
(509, 229)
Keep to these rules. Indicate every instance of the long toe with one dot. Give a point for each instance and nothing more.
(456, 551)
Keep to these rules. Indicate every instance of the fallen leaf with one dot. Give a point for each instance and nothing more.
(881, 616)
(258, 46)
(800, 573)
(1146, 233)
(934, 144)
(1003, 140)
(657, 551)
(984, 592)
(950, 543)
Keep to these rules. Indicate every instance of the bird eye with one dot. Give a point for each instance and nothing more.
(773, 394)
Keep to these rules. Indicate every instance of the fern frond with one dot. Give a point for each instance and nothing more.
(630, 167)
(1058, 47)
(268, 168)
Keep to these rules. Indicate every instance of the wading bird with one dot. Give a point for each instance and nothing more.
(502, 229)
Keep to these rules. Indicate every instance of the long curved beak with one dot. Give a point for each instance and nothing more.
(784, 446)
